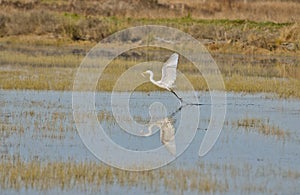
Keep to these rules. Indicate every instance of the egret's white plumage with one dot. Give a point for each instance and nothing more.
(168, 76)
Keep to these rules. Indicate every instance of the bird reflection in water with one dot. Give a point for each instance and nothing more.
(167, 134)
(165, 125)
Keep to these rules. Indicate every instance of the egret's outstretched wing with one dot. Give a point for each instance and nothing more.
(169, 71)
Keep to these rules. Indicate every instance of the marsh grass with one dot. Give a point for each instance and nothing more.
(23, 32)
(283, 88)
(261, 126)
(7, 129)
(104, 116)
(37, 124)
(37, 78)
(93, 177)
(251, 10)
(43, 72)
(222, 34)
(22, 59)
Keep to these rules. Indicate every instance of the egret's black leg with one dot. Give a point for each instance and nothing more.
(180, 99)
(187, 103)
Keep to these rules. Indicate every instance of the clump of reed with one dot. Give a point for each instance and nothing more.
(93, 176)
(284, 88)
(37, 121)
(261, 126)
(104, 116)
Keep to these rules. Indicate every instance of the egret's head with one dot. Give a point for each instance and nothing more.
(146, 72)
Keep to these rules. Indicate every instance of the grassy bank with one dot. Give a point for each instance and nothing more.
(42, 43)
(21, 71)
(266, 27)
(222, 35)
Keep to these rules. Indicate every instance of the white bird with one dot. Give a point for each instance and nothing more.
(168, 75)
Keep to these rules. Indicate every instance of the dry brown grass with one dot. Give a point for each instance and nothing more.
(52, 72)
(284, 88)
(37, 78)
(261, 126)
(94, 177)
(278, 11)
(91, 177)
(254, 27)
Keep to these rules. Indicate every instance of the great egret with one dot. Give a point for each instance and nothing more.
(168, 75)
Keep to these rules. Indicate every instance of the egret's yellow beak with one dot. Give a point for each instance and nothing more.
(143, 74)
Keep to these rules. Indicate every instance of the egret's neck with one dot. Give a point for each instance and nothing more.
(151, 76)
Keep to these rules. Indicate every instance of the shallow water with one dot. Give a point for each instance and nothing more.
(39, 125)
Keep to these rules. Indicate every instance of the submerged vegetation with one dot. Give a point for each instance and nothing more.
(261, 126)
